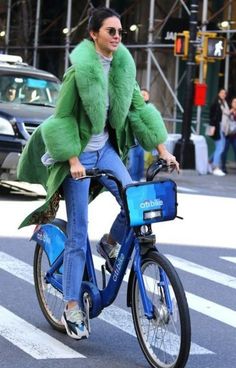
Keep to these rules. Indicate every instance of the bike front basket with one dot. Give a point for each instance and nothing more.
(146, 203)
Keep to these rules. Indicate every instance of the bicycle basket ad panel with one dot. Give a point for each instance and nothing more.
(147, 203)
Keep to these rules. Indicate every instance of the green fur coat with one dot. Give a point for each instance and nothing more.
(80, 112)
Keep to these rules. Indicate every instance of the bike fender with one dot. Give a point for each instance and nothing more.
(51, 238)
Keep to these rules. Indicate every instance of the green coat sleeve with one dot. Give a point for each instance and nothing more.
(146, 122)
(61, 132)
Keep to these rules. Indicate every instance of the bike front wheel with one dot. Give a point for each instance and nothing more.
(164, 339)
(50, 299)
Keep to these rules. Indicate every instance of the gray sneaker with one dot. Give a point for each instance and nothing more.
(74, 322)
(108, 252)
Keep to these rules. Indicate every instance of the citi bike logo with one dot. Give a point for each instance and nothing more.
(117, 269)
(151, 203)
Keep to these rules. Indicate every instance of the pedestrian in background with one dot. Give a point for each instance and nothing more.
(219, 111)
(10, 93)
(136, 153)
(230, 135)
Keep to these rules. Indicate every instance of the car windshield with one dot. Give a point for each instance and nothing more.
(28, 90)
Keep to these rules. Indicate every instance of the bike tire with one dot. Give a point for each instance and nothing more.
(165, 340)
(50, 299)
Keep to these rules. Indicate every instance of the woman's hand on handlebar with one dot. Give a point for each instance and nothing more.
(77, 170)
(168, 157)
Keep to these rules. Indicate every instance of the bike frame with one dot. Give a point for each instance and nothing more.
(154, 291)
(104, 297)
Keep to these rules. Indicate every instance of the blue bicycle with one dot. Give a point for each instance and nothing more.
(155, 293)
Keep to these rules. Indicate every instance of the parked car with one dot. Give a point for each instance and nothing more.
(27, 97)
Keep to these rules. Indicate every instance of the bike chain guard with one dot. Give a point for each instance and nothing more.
(92, 293)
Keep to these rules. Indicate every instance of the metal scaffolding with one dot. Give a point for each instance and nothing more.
(156, 64)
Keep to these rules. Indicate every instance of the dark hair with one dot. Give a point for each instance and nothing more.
(11, 86)
(97, 17)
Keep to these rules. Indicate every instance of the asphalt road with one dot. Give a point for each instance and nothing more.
(204, 256)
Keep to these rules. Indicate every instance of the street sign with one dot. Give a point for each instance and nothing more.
(214, 47)
(181, 44)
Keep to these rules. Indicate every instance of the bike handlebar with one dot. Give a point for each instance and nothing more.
(156, 167)
(152, 171)
(96, 173)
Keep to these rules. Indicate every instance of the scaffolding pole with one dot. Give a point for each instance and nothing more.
(227, 58)
(36, 34)
(150, 42)
(68, 26)
(7, 36)
(184, 148)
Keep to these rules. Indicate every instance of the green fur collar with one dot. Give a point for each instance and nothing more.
(92, 86)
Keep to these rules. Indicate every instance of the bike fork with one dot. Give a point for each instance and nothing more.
(163, 284)
(147, 304)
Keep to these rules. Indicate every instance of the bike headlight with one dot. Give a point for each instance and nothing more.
(6, 127)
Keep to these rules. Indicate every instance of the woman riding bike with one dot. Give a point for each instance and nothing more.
(99, 113)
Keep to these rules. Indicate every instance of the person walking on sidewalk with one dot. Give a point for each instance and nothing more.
(230, 137)
(219, 111)
(99, 111)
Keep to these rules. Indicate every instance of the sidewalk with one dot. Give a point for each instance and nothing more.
(190, 180)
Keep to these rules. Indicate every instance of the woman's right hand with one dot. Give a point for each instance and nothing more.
(77, 170)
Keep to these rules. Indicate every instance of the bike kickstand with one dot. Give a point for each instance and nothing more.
(104, 282)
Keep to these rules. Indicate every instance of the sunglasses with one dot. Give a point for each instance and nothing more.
(112, 31)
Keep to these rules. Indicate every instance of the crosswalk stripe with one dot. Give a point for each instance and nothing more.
(207, 273)
(229, 259)
(211, 309)
(185, 189)
(32, 340)
(202, 305)
(22, 270)
(122, 319)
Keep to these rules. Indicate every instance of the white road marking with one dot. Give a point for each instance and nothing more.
(185, 189)
(207, 273)
(123, 320)
(229, 259)
(32, 340)
(204, 306)
(211, 309)
(22, 270)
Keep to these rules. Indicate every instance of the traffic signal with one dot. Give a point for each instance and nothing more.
(181, 44)
(214, 47)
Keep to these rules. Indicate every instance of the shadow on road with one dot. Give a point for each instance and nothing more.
(15, 193)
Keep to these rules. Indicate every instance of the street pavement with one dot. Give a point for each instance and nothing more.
(206, 202)
(201, 246)
(192, 182)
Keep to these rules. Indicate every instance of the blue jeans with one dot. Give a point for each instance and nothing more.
(136, 162)
(76, 194)
(219, 148)
(229, 140)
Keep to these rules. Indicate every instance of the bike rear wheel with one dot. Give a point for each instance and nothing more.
(165, 339)
(50, 299)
